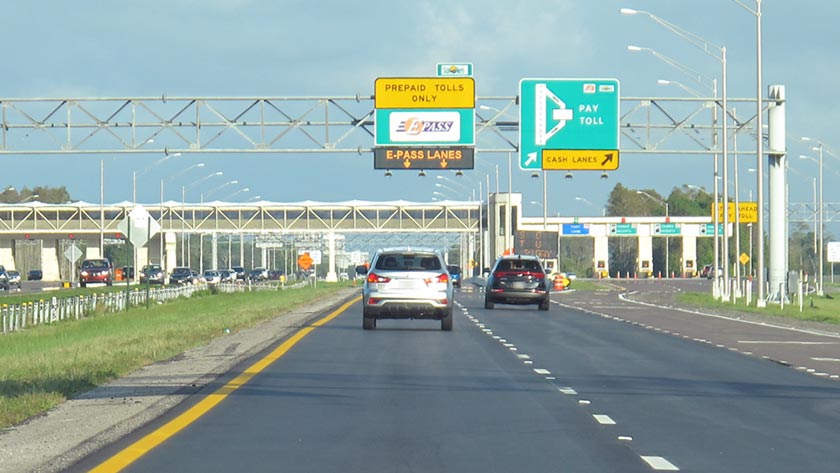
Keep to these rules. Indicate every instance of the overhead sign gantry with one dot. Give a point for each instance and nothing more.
(424, 123)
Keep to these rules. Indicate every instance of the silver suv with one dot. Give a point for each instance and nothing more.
(406, 283)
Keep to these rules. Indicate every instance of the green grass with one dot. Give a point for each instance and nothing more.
(586, 285)
(815, 308)
(43, 366)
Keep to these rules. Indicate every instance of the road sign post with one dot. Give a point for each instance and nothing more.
(569, 124)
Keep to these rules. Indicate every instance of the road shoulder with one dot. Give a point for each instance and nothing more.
(57, 439)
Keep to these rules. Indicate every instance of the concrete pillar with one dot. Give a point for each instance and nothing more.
(214, 265)
(332, 276)
(503, 216)
(170, 251)
(142, 257)
(777, 192)
(602, 251)
(92, 249)
(7, 256)
(644, 268)
(49, 260)
(689, 255)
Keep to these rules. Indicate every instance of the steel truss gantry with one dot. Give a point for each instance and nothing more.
(81, 219)
(338, 124)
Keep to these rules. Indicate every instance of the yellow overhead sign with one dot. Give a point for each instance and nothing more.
(580, 159)
(747, 212)
(424, 92)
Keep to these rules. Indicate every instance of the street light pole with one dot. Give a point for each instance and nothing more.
(819, 149)
(705, 46)
(759, 150)
(821, 289)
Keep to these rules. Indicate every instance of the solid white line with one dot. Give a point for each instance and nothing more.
(659, 463)
(750, 322)
(782, 342)
(603, 419)
(541, 371)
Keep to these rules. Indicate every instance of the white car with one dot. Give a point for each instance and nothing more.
(212, 277)
(406, 283)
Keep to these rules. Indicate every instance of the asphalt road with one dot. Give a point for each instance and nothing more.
(585, 389)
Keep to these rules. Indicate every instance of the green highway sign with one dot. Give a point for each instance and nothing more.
(708, 229)
(452, 69)
(667, 229)
(566, 114)
(622, 228)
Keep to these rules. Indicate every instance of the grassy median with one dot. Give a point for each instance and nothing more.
(43, 366)
(825, 309)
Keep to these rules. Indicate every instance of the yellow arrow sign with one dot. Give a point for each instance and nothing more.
(580, 159)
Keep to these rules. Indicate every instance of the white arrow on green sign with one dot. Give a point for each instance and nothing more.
(566, 114)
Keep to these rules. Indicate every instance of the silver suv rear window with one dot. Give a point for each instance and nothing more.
(408, 262)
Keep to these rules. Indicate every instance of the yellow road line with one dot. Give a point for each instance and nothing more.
(139, 448)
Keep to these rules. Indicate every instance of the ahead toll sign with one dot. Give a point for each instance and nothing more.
(569, 114)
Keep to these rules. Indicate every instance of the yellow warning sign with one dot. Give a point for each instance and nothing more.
(747, 212)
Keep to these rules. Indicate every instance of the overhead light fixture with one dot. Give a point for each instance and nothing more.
(422, 173)
(569, 175)
(535, 175)
(604, 175)
(388, 173)
(459, 173)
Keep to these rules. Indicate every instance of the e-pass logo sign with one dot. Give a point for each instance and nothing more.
(418, 127)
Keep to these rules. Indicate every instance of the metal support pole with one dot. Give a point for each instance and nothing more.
(821, 288)
(759, 94)
(725, 249)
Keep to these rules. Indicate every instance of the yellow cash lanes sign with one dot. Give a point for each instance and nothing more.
(424, 92)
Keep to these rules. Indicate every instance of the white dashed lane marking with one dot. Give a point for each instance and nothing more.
(660, 464)
(604, 419)
(783, 342)
(541, 371)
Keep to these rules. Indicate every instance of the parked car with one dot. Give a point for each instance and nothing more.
(35, 275)
(455, 274)
(227, 275)
(406, 283)
(181, 275)
(212, 277)
(97, 270)
(704, 273)
(197, 277)
(152, 274)
(14, 279)
(517, 279)
(239, 273)
(128, 272)
(258, 274)
(4, 279)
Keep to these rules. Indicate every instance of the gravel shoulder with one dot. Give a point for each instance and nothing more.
(59, 438)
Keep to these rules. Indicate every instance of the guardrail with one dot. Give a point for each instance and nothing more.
(16, 317)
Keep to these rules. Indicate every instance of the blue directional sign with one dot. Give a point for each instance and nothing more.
(575, 229)
(559, 115)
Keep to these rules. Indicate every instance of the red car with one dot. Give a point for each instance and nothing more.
(95, 270)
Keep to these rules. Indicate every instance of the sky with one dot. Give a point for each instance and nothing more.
(86, 48)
